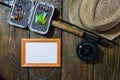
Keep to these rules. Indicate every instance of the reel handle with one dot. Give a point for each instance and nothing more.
(67, 28)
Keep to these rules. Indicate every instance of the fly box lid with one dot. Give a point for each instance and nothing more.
(41, 17)
(21, 13)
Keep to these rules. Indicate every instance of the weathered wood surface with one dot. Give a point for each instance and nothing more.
(105, 67)
(10, 38)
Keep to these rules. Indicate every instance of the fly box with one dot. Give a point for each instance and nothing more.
(41, 17)
(21, 13)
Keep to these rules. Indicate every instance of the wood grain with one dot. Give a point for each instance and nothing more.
(73, 68)
(108, 68)
(10, 67)
(105, 67)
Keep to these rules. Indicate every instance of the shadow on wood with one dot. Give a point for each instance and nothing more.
(52, 29)
(99, 57)
(2, 78)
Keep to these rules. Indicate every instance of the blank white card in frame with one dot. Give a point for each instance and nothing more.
(40, 53)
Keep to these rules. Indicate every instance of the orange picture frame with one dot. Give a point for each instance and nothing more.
(26, 50)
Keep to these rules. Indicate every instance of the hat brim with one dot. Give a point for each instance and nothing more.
(73, 10)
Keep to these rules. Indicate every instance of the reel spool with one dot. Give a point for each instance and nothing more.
(87, 50)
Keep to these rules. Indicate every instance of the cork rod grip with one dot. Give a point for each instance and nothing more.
(67, 28)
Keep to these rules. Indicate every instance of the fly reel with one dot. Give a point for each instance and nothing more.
(87, 50)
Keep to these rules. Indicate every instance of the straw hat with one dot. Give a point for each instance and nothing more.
(99, 16)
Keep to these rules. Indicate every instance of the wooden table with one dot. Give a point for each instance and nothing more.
(105, 67)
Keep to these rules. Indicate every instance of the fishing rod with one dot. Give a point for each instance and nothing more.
(89, 32)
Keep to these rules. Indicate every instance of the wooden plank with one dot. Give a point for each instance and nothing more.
(73, 68)
(99, 69)
(108, 67)
(10, 39)
(47, 73)
(118, 61)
